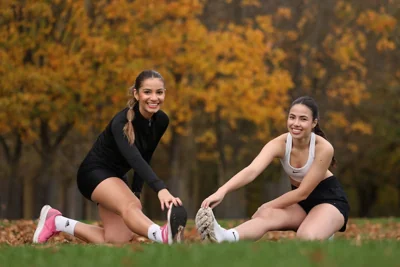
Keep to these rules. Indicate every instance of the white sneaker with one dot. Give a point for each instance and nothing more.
(207, 226)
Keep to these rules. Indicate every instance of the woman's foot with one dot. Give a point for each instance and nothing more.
(46, 227)
(210, 230)
(173, 230)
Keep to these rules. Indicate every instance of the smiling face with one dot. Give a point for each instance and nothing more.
(300, 121)
(150, 96)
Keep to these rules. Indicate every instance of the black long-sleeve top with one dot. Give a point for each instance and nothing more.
(112, 150)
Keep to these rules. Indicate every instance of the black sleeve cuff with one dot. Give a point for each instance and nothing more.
(158, 186)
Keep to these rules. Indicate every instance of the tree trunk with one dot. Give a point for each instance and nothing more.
(11, 201)
(45, 188)
(13, 197)
(28, 197)
(4, 185)
(188, 157)
(181, 162)
(195, 200)
(367, 196)
(234, 204)
(173, 181)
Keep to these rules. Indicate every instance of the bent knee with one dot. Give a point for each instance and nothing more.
(264, 213)
(117, 238)
(131, 205)
(310, 234)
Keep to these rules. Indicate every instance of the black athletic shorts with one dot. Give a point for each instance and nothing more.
(88, 180)
(328, 191)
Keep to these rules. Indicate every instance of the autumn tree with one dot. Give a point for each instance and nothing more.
(231, 70)
(48, 80)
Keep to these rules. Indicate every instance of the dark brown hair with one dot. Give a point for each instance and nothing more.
(312, 105)
(130, 115)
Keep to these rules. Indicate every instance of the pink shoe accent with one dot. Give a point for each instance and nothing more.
(164, 233)
(46, 227)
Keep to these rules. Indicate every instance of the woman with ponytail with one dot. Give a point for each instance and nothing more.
(315, 208)
(128, 142)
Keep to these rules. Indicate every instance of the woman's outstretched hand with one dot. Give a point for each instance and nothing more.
(213, 200)
(166, 198)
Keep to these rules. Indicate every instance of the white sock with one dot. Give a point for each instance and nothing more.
(221, 234)
(231, 235)
(154, 233)
(65, 225)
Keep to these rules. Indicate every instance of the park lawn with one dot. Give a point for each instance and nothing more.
(263, 253)
(377, 220)
(366, 242)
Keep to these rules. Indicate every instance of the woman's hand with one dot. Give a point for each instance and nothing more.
(213, 200)
(166, 198)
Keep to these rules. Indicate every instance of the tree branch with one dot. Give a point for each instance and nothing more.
(62, 134)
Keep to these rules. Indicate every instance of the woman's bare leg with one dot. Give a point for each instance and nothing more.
(121, 213)
(113, 231)
(321, 222)
(289, 218)
(115, 196)
(263, 220)
(89, 233)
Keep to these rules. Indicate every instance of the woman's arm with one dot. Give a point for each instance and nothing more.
(270, 151)
(323, 156)
(273, 149)
(160, 127)
(134, 158)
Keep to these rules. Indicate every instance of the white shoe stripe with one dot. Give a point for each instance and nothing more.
(42, 220)
(170, 241)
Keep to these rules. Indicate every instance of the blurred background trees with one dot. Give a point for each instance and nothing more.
(232, 69)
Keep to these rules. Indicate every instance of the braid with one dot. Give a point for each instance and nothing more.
(318, 131)
(130, 115)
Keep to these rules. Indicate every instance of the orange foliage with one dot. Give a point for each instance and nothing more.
(67, 62)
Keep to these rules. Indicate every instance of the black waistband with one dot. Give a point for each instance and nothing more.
(331, 181)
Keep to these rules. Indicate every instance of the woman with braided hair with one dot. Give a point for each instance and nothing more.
(316, 207)
(128, 142)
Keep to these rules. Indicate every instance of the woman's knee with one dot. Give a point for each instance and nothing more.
(264, 213)
(113, 237)
(309, 234)
(127, 207)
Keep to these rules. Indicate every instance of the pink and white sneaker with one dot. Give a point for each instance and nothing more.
(172, 231)
(47, 226)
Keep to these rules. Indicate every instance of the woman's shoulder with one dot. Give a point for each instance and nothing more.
(278, 145)
(162, 115)
(281, 138)
(322, 144)
(162, 118)
(121, 115)
(119, 119)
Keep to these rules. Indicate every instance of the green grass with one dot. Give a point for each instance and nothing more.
(284, 253)
(357, 221)
(382, 220)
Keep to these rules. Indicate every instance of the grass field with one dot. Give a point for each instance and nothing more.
(283, 253)
(372, 242)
